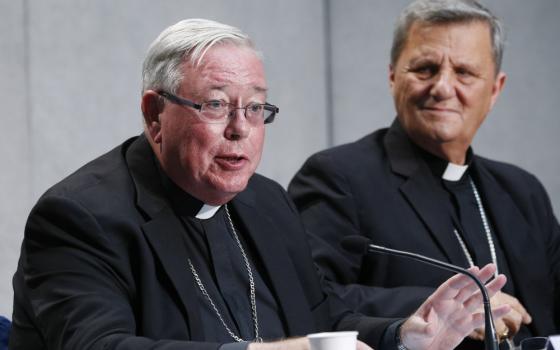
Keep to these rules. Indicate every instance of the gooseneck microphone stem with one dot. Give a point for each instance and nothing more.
(490, 339)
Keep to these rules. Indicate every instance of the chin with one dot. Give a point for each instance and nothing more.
(446, 134)
(232, 186)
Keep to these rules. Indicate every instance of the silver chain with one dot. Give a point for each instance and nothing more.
(486, 225)
(252, 296)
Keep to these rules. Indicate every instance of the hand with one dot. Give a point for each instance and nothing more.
(294, 344)
(451, 312)
(363, 346)
(509, 324)
(289, 344)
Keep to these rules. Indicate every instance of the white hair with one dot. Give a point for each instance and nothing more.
(188, 39)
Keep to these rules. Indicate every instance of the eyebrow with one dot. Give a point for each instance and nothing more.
(260, 89)
(257, 89)
(431, 60)
(423, 60)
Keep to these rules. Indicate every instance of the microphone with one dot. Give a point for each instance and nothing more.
(361, 245)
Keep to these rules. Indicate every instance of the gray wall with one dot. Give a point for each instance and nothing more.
(71, 79)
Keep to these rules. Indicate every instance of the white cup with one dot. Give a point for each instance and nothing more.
(333, 340)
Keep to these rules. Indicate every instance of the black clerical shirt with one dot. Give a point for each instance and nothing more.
(463, 208)
(218, 261)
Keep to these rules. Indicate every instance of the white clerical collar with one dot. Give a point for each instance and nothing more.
(207, 211)
(454, 172)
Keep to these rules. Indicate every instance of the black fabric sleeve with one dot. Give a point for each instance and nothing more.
(329, 211)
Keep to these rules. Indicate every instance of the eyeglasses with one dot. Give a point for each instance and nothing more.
(218, 111)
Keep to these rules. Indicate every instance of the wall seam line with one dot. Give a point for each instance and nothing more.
(327, 33)
(27, 98)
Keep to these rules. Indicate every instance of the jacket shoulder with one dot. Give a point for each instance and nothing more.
(509, 174)
(109, 166)
(368, 148)
(523, 187)
(265, 191)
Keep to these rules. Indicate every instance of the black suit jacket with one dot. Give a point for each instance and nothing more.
(379, 187)
(104, 264)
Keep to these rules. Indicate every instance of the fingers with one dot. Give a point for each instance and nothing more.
(486, 273)
(477, 334)
(512, 321)
(362, 346)
(504, 298)
(496, 284)
(452, 288)
(469, 289)
(501, 328)
(301, 343)
(498, 312)
(461, 287)
(464, 290)
(475, 300)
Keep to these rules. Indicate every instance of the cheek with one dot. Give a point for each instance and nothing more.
(407, 102)
(476, 105)
(253, 147)
(408, 92)
(198, 149)
(259, 141)
(258, 146)
(469, 99)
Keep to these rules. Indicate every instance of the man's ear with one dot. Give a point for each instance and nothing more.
(391, 77)
(152, 105)
(498, 87)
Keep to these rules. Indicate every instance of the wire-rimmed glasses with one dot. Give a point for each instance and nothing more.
(219, 111)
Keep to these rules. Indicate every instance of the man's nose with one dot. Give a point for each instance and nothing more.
(444, 85)
(237, 125)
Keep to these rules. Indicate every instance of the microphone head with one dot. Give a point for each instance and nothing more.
(355, 244)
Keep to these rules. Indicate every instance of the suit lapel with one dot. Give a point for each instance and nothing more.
(164, 235)
(423, 194)
(163, 230)
(277, 263)
(428, 202)
(520, 249)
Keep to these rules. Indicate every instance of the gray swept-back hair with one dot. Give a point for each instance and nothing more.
(447, 11)
(188, 39)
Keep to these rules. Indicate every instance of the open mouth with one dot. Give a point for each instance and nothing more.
(231, 162)
(232, 159)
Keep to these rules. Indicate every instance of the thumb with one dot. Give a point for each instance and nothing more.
(417, 326)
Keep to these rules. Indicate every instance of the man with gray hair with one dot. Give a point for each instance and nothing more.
(171, 241)
(418, 186)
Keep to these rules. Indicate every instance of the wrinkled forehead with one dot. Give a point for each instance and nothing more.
(227, 67)
(467, 26)
(453, 35)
